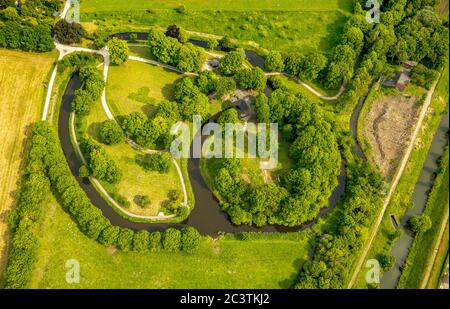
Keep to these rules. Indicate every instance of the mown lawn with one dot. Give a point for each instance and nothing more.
(138, 87)
(400, 200)
(222, 263)
(290, 25)
(135, 180)
(23, 78)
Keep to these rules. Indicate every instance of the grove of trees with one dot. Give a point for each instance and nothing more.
(68, 32)
(184, 56)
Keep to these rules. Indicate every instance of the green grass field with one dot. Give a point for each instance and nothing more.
(91, 6)
(400, 199)
(138, 87)
(135, 180)
(290, 25)
(221, 263)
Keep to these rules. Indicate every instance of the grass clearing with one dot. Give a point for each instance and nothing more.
(440, 263)
(222, 263)
(135, 180)
(138, 87)
(23, 77)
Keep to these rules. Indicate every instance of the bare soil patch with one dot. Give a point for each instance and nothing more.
(388, 128)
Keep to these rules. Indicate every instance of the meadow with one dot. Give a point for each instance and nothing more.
(267, 262)
(138, 87)
(22, 80)
(90, 6)
(268, 26)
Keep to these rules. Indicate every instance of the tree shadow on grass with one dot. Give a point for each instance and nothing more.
(289, 282)
(94, 130)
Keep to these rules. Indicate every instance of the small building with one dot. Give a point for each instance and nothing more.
(400, 81)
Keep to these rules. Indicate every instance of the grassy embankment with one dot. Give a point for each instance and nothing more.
(401, 199)
(23, 77)
(422, 249)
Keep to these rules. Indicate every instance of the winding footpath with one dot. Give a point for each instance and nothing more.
(394, 184)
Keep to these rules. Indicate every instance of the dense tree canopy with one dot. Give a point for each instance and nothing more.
(185, 57)
(232, 62)
(68, 32)
(118, 51)
(110, 132)
(252, 78)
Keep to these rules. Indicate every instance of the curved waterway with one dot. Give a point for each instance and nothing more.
(419, 199)
(207, 216)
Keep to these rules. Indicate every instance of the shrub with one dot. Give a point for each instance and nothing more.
(176, 32)
(159, 162)
(142, 200)
(154, 241)
(190, 239)
(171, 239)
(83, 171)
(225, 86)
(386, 262)
(422, 76)
(125, 239)
(212, 43)
(141, 241)
(110, 132)
(419, 224)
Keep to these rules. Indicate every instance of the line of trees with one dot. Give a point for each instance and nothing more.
(46, 169)
(184, 56)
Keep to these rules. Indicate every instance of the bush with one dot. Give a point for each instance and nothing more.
(419, 224)
(118, 51)
(111, 132)
(83, 171)
(212, 43)
(227, 44)
(190, 239)
(225, 86)
(176, 32)
(159, 162)
(125, 239)
(142, 200)
(68, 33)
(141, 241)
(154, 241)
(171, 239)
(386, 262)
